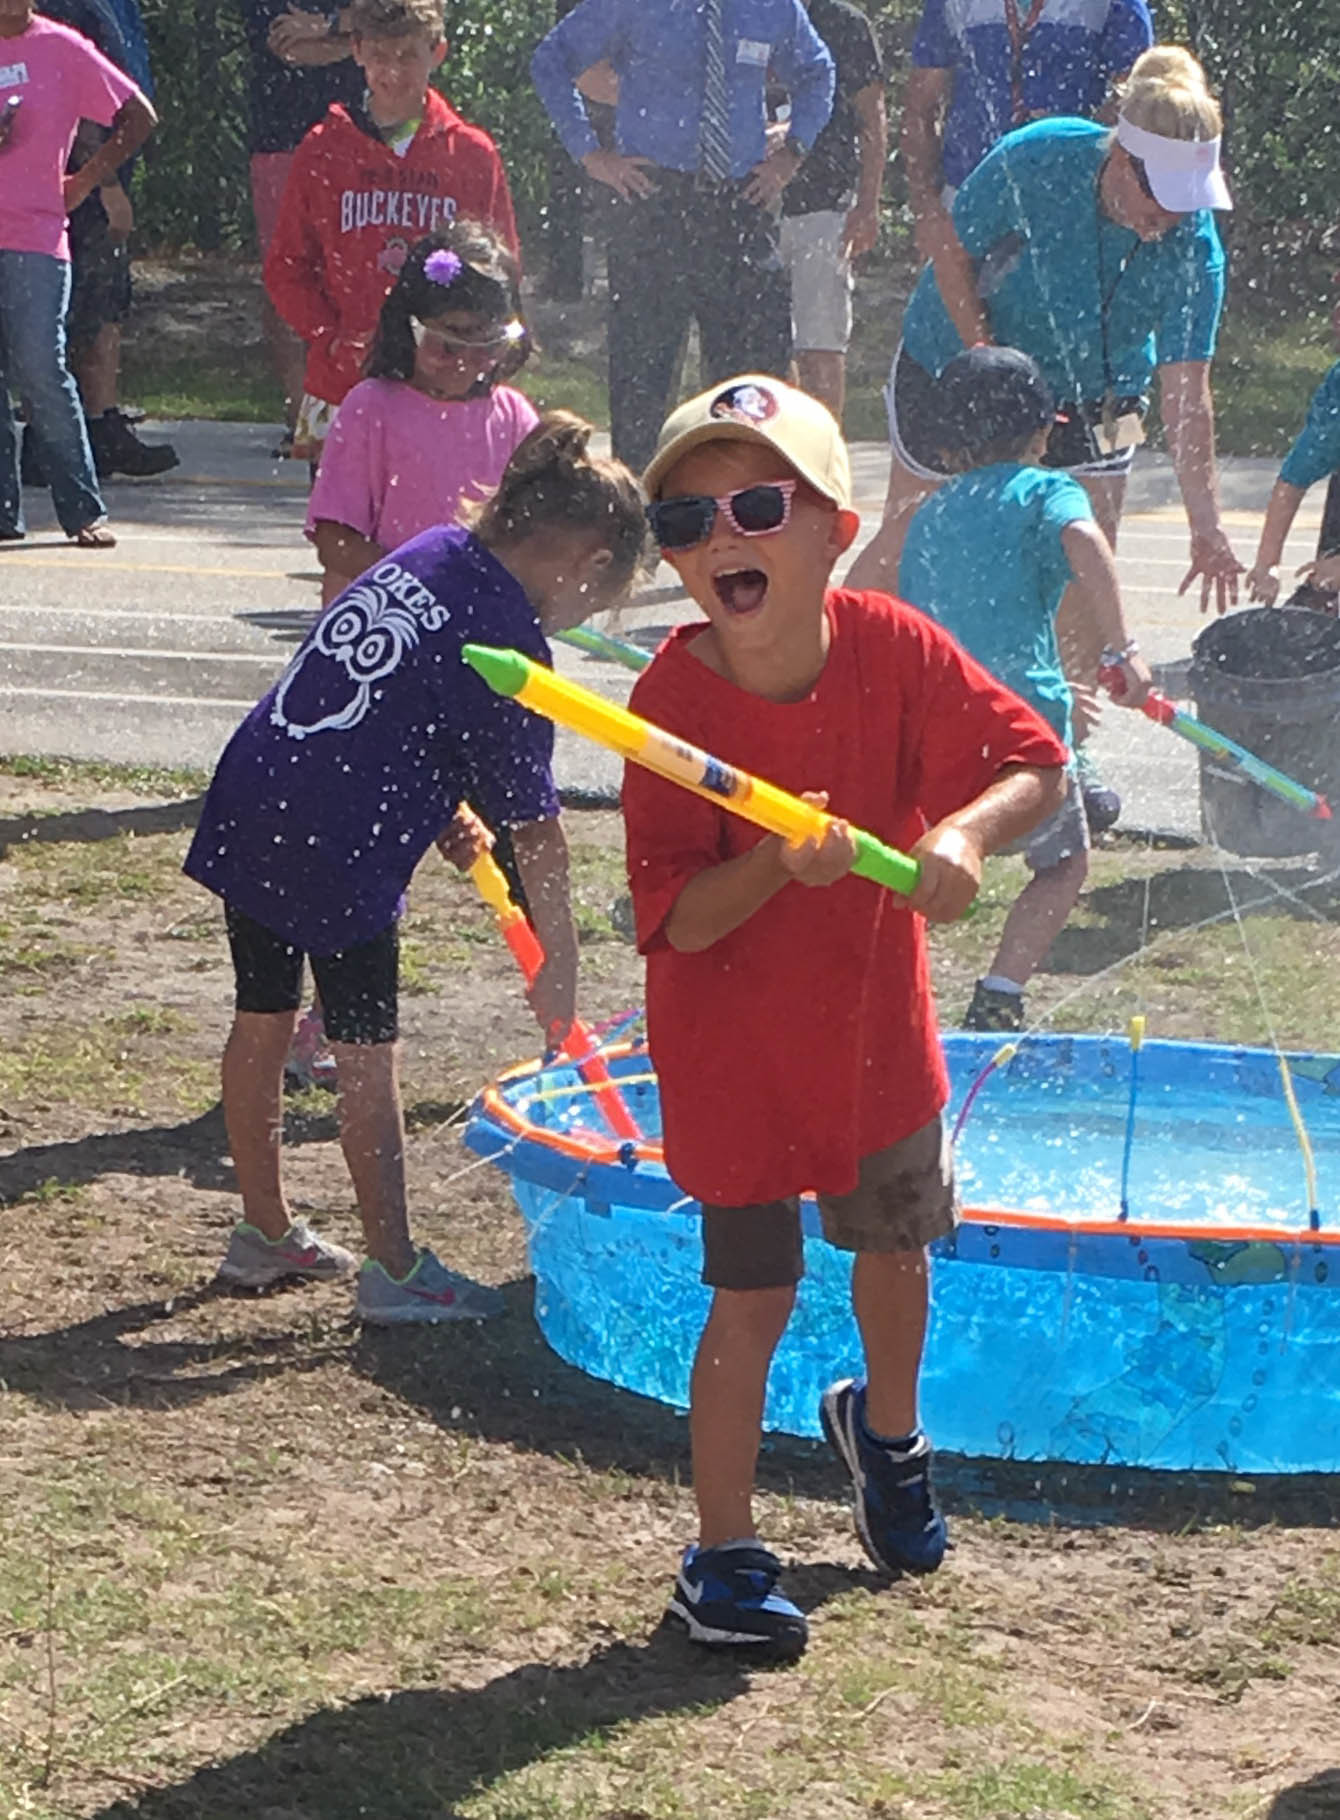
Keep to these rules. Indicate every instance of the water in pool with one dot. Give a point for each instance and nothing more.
(1221, 1354)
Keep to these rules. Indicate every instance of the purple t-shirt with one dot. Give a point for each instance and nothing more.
(340, 779)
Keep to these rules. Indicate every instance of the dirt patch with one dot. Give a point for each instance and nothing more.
(255, 1562)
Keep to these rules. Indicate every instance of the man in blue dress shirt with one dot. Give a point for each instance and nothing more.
(696, 237)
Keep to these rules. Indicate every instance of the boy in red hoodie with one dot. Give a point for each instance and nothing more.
(366, 183)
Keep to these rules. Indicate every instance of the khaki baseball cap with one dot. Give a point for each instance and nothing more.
(758, 408)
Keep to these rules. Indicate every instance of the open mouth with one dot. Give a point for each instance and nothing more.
(741, 590)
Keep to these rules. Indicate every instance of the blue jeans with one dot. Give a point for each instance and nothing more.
(34, 292)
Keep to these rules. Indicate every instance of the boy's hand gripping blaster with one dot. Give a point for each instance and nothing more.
(578, 1046)
(639, 741)
(1158, 708)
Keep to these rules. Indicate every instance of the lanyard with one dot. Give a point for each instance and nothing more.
(1106, 292)
(1019, 30)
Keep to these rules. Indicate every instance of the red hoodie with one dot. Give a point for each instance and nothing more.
(350, 213)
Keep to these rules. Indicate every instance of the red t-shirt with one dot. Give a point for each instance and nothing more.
(806, 1039)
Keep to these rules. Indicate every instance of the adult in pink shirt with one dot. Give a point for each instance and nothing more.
(51, 78)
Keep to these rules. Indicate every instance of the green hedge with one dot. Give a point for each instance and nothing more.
(193, 188)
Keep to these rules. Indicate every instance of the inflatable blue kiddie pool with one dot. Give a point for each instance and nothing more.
(1147, 1272)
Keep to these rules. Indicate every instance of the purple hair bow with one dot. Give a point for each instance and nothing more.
(443, 266)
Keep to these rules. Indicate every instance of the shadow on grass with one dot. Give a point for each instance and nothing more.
(83, 825)
(196, 1150)
(1181, 898)
(500, 1383)
(1316, 1799)
(102, 1361)
(413, 1755)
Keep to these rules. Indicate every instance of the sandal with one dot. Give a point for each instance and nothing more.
(96, 536)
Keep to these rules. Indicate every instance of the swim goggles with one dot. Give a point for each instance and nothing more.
(444, 341)
(678, 524)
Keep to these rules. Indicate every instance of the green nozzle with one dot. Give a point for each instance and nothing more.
(600, 644)
(503, 671)
(885, 865)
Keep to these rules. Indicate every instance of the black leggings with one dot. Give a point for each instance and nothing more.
(359, 986)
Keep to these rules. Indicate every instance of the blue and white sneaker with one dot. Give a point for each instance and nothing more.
(429, 1293)
(897, 1518)
(727, 1598)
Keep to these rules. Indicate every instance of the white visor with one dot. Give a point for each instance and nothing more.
(1184, 174)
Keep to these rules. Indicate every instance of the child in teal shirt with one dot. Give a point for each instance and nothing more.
(989, 556)
(1314, 455)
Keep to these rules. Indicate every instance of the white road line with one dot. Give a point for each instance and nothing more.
(144, 701)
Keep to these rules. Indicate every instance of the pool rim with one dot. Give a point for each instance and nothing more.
(593, 1151)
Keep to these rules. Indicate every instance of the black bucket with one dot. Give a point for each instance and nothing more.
(1270, 679)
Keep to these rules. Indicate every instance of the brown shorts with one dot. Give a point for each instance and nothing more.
(905, 1198)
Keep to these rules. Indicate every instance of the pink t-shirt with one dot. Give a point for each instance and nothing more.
(62, 80)
(397, 461)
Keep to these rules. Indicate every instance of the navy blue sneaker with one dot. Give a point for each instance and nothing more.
(727, 1598)
(897, 1518)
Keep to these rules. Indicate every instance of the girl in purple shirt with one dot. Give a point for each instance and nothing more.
(365, 753)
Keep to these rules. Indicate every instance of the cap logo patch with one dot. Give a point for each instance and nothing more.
(747, 404)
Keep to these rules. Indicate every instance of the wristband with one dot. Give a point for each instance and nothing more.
(1110, 658)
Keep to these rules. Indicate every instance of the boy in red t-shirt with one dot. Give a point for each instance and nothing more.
(792, 1027)
(365, 185)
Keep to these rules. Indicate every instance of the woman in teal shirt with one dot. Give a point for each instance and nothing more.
(1093, 250)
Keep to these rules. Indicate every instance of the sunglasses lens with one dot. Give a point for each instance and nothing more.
(677, 524)
(759, 508)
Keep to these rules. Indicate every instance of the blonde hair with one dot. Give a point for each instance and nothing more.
(1166, 93)
(553, 484)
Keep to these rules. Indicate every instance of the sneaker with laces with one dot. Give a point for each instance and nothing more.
(992, 1009)
(253, 1261)
(897, 1519)
(727, 1598)
(429, 1293)
(309, 1062)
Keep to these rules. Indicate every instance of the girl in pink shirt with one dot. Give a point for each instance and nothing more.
(431, 426)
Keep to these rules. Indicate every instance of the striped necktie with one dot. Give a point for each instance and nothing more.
(714, 159)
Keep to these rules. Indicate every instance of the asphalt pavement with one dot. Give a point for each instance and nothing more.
(152, 652)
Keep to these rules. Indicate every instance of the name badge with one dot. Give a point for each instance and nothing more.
(749, 50)
(12, 74)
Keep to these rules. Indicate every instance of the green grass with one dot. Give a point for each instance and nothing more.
(33, 954)
(214, 384)
(156, 781)
(1197, 975)
(97, 874)
(222, 1520)
(1022, 1789)
(106, 1066)
(1308, 1609)
(555, 382)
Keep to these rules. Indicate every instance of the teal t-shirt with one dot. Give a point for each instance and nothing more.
(984, 557)
(1316, 452)
(1047, 258)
